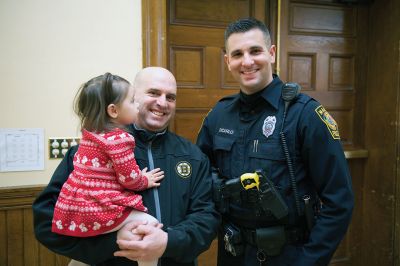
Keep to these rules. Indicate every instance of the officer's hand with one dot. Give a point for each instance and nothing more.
(150, 247)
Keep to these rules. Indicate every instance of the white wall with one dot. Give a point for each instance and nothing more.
(47, 49)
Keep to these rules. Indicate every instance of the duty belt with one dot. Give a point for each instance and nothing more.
(269, 241)
(293, 236)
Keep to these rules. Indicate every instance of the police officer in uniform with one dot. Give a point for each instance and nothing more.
(182, 203)
(286, 138)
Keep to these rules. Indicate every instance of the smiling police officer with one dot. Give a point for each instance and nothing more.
(283, 184)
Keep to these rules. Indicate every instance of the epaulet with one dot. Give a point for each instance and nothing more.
(304, 98)
(227, 98)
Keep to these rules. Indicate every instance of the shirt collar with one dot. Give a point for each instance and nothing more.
(143, 134)
(272, 93)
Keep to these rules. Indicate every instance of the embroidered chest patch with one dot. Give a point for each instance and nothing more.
(329, 121)
(269, 126)
(183, 169)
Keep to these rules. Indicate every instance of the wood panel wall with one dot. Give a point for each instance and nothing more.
(381, 206)
(18, 245)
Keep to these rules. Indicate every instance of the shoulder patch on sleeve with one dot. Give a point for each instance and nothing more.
(329, 121)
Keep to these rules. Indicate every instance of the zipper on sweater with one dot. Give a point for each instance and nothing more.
(155, 189)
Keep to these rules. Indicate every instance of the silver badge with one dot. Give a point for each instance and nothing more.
(269, 126)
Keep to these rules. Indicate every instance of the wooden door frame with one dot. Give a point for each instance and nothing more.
(154, 33)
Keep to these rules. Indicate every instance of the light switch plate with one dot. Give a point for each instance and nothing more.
(59, 146)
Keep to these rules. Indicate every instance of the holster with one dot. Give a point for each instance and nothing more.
(221, 202)
(267, 198)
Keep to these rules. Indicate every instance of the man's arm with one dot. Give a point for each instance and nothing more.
(89, 250)
(327, 167)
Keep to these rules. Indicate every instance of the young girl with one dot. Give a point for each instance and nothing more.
(98, 196)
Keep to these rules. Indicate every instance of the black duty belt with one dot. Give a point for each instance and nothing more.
(249, 221)
(293, 236)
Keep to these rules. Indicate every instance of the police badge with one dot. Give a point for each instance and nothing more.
(269, 126)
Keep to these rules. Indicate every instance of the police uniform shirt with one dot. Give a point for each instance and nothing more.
(238, 142)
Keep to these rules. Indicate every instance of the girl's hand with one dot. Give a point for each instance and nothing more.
(153, 177)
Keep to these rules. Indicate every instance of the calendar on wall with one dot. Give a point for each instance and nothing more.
(21, 149)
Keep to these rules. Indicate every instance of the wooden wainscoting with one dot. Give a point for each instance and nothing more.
(18, 245)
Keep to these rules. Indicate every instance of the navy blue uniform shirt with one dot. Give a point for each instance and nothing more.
(239, 139)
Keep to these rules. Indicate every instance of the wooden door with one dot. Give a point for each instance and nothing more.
(195, 46)
(322, 47)
(320, 50)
